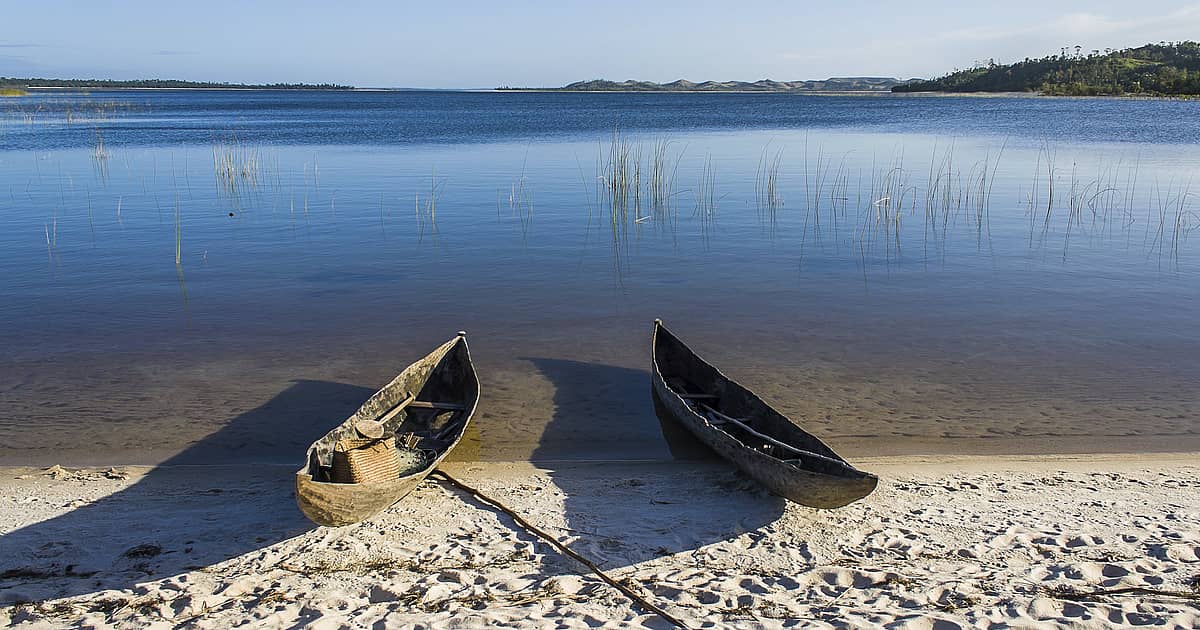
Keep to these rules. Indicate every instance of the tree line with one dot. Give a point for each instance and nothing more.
(1162, 69)
(14, 82)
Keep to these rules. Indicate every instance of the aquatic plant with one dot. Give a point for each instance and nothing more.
(426, 213)
(766, 180)
(99, 152)
(236, 166)
(178, 233)
(706, 198)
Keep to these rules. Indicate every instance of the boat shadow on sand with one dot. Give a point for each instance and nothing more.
(198, 508)
(658, 490)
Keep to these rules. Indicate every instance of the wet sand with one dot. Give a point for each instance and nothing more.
(581, 392)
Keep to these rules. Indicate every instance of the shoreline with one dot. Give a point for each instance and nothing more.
(909, 463)
(30, 89)
(961, 541)
(855, 449)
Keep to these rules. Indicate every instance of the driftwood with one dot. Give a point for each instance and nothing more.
(540, 533)
(1072, 594)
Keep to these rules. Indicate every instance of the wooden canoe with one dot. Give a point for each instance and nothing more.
(433, 399)
(739, 426)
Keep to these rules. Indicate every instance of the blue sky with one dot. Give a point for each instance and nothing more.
(484, 44)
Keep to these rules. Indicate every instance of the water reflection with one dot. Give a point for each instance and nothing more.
(826, 230)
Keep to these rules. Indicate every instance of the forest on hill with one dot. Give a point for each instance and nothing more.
(1163, 69)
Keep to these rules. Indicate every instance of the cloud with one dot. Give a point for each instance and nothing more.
(942, 50)
(1083, 25)
(22, 46)
(172, 53)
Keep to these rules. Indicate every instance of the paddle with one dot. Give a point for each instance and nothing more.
(374, 428)
(745, 427)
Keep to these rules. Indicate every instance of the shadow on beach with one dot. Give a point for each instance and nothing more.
(659, 491)
(200, 507)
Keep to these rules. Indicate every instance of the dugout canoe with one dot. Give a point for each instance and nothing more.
(735, 423)
(432, 399)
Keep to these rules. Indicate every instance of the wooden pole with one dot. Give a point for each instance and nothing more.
(745, 427)
(642, 601)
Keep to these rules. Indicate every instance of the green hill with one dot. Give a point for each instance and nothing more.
(832, 84)
(1165, 69)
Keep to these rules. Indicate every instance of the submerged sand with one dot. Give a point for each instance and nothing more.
(1085, 541)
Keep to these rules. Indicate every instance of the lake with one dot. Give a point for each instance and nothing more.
(221, 276)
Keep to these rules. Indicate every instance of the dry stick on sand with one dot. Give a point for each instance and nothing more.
(1088, 596)
(642, 601)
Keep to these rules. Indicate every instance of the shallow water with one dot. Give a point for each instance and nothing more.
(929, 274)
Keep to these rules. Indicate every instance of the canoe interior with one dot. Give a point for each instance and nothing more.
(703, 387)
(444, 376)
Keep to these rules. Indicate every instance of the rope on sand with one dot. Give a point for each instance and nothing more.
(642, 601)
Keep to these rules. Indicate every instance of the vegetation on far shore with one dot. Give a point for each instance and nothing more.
(832, 84)
(14, 83)
(1163, 69)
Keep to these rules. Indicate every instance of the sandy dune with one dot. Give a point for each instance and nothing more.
(975, 542)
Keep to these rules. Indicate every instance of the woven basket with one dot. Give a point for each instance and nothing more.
(358, 460)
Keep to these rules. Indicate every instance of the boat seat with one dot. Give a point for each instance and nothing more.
(441, 406)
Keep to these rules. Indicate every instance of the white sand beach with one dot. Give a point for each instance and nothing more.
(1031, 542)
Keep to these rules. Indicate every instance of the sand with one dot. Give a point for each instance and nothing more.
(1078, 541)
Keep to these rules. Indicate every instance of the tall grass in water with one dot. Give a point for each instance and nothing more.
(99, 151)
(621, 171)
(618, 177)
(236, 167)
(100, 155)
(520, 202)
(1173, 221)
(52, 236)
(426, 213)
(661, 170)
(178, 233)
(706, 198)
(766, 182)
(520, 205)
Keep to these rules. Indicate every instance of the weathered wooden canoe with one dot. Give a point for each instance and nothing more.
(433, 399)
(740, 427)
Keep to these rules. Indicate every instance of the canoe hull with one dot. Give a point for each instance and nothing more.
(331, 506)
(805, 487)
(448, 368)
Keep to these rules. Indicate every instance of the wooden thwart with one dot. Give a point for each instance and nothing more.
(448, 429)
(425, 404)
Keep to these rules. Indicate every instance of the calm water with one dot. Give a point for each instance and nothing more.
(905, 274)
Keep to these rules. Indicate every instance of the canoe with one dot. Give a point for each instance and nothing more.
(735, 423)
(432, 399)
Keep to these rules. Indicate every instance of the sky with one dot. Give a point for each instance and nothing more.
(469, 44)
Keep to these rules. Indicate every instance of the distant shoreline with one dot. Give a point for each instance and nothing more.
(832, 84)
(43, 83)
(28, 90)
(115, 88)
